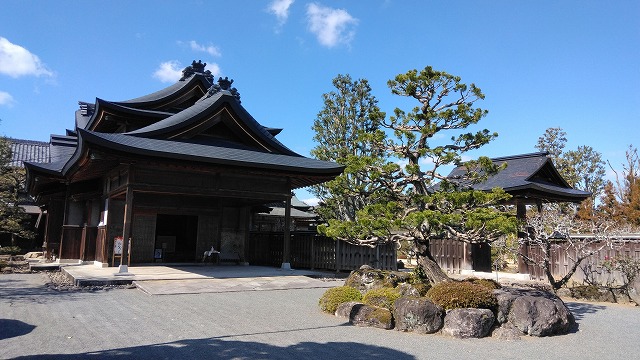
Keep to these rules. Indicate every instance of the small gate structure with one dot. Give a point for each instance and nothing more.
(312, 251)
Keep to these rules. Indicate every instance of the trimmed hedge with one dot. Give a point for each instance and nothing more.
(333, 297)
(462, 294)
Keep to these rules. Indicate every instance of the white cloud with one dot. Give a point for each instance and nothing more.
(331, 26)
(280, 8)
(171, 71)
(6, 99)
(214, 68)
(16, 61)
(210, 49)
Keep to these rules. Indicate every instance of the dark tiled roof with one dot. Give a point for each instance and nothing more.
(210, 154)
(207, 105)
(531, 174)
(29, 151)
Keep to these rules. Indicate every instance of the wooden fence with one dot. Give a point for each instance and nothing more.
(312, 251)
(591, 268)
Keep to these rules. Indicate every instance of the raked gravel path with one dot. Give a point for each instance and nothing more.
(39, 322)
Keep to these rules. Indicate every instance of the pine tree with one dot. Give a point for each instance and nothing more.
(419, 203)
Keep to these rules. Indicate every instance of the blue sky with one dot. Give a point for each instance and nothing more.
(541, 64)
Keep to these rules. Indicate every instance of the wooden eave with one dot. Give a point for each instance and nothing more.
(108, 117)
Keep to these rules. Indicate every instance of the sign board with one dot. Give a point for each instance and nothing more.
(117, 245)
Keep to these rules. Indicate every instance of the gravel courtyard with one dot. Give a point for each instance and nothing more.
(39, 322)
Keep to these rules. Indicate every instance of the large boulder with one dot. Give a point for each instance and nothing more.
(367, 278)
(418, 315)
(370, 316)
(534, 312)
(468, 323)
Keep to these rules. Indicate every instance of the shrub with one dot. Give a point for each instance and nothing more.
(589, 292)
(384, 297)
(333, 297)
(418, 276)
(10, 250)
(462, 294)
(488, 283)
(3, 264)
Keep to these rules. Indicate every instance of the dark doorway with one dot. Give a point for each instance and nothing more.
(481, 255)
(177, 236)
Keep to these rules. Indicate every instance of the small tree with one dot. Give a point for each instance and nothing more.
(13, 219)
(554, 231)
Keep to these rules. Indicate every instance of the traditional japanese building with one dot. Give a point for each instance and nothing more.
(176, 172)
(531, 179)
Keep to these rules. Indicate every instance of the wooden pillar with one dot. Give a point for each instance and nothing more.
(286, 246)
(521, 215)
(126, 228)
(64, 219)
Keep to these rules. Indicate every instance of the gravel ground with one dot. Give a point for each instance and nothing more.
(38, 321)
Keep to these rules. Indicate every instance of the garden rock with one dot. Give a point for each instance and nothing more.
(367, 278)
(468, 323)
(406, 289)
(418, 315)
(506, 332)
(371, 316)
(634, 290)
(536, 313)
(344, 309)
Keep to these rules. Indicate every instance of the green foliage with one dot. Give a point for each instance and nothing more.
(333, 297)
(582, 168)
(10, 250)
(418, 275)
(13, 219)
(486, 283)
(461, 294)
(383, 297)
(3, 264)
(413, 147)
(347, 131)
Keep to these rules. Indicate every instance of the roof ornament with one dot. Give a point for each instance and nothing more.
(196, 68)
(86, 108)
(224, 84)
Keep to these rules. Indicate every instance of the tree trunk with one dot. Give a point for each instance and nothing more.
(431, 268)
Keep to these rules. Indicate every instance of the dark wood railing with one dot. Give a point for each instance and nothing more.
(312, 251)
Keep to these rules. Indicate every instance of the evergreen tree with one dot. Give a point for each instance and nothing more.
(347, 131)
(13, 219)
(420, 203)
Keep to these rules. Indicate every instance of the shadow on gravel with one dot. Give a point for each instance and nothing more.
(226, 349)
(580, 310)
(21, 291)
(12, 328)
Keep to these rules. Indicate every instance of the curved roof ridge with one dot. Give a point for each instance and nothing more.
(521, 156)
(207, 103)
(169, 91)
